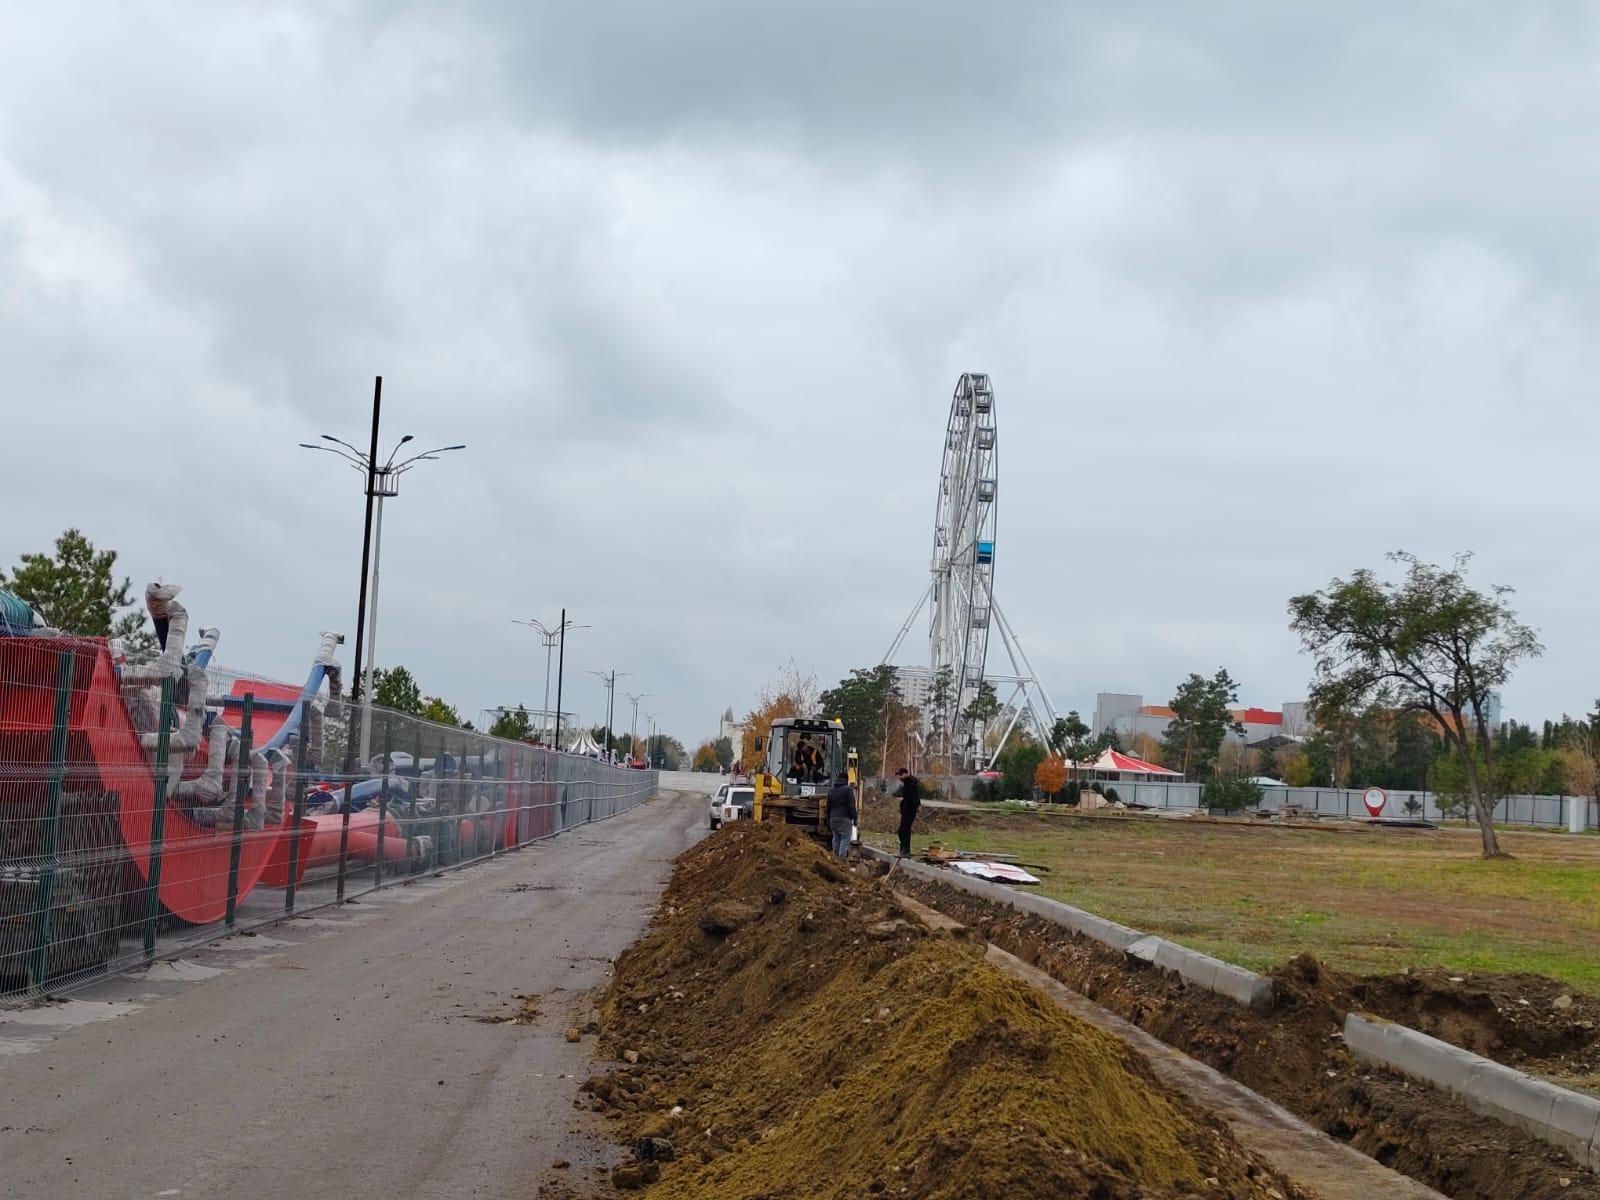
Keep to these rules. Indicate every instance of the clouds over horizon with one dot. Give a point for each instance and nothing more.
(1264, 293)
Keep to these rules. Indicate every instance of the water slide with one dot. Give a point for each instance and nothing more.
(109, 784)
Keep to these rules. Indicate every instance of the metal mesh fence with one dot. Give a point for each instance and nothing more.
(1551, 812)
(142, 810)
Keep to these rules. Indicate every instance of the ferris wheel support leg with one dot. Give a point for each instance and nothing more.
(894, 646)
(1014, 648)
(1016, 715)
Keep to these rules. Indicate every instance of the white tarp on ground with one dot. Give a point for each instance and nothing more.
(999, 872)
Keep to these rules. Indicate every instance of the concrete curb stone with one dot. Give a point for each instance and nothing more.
(1566, 1119)
(1236, 983)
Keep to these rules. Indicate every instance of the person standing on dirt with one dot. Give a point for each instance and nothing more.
(910, 793)
(841, 814)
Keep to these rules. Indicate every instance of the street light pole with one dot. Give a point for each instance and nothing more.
(549, 637)
(382, 482)
(383, 485)
(633, 729)
(610, 681)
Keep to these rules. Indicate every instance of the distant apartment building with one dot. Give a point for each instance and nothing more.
(1127, 714)
(915, 687)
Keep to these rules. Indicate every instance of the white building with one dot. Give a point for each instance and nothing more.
(732, 730)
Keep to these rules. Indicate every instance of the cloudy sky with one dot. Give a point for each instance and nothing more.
(1264, 290)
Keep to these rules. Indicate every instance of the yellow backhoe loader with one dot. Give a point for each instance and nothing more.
(800, 759)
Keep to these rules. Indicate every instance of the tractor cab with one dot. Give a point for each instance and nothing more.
(800, 759)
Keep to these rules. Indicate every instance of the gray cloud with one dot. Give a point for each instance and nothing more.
(1265, 291)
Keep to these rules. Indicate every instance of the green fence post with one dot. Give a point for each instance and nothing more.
(241, 789)
(296, 794)
(45, 899)
(499, 795)
(158, 821)
(461, 805)
(344, 839)
(383, 805)
(417, 823)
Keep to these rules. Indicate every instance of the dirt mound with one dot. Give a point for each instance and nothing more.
(1295, 1053)
(789, 1033)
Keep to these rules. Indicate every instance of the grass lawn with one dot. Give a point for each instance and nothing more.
(1365, 900)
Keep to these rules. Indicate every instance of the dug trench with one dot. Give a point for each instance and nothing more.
(784, 1030)
(1293, 1053)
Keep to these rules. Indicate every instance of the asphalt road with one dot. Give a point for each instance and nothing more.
(362, 1051)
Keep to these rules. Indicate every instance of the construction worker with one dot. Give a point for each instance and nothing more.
(807, 762)
(841, 814)
(910, 793)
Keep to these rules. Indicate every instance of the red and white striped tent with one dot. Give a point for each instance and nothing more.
(1114, 764)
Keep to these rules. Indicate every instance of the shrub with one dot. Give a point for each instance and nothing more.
(1071, 792)
(1111, 795)
(1231, 795)
(986, 791)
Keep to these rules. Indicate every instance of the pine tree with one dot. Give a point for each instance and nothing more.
(75, 591)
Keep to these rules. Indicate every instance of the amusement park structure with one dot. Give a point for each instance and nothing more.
(960, 595)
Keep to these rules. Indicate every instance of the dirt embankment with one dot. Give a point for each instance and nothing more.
(783, 1030)
(1295, 1055)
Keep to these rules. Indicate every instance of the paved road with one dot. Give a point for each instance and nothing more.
(347, 1053)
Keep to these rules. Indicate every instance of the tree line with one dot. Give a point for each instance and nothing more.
(1403, 675)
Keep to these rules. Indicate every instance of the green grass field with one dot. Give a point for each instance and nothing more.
(1360, 899)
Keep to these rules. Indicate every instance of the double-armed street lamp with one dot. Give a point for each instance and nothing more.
(382, 482)
(633, 729)
(609, 678)
(650, 740)
(550, 637)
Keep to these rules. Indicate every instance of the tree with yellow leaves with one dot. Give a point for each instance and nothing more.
(791, 694)
(1050, 776)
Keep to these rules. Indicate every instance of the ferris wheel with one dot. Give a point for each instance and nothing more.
(963, 551)
(961, 593)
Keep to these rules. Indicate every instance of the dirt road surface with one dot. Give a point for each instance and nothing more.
(365, 1051)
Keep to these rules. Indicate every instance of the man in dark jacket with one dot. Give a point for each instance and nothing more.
(910, 792)
(841, 814)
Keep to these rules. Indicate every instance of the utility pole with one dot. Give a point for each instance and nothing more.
(561, 664)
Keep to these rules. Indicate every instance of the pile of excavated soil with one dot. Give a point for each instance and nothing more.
(783, 1030)
(1295, 1054)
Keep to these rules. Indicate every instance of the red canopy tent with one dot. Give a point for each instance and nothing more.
(1114, 763)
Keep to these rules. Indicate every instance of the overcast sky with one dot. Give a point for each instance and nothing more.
(1264, 293)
